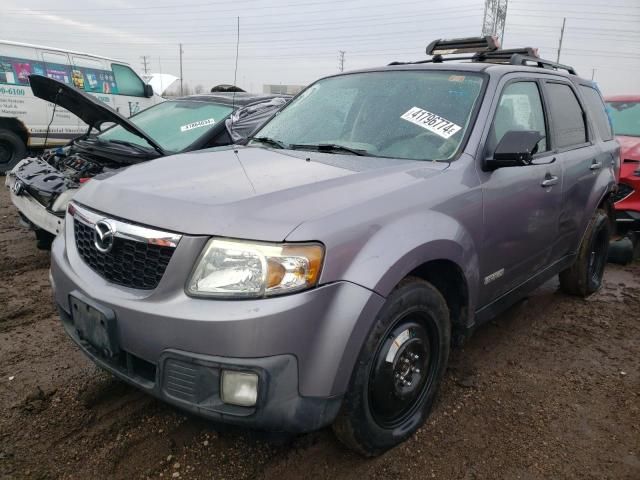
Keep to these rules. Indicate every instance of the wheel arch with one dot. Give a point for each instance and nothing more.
(16, 126)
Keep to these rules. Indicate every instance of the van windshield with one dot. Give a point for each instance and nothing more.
(417, 115)
(174, 125)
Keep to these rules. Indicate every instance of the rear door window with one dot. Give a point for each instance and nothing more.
(568, 119)
(596, 108)
(128, 83)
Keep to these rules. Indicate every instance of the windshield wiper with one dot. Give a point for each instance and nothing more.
(270, 141)
(329, 148)
(131, 145)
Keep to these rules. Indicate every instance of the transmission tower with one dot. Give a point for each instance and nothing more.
(341, 60)
(495, 15)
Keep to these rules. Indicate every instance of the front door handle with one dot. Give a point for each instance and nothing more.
(549, 181)
(596, 166)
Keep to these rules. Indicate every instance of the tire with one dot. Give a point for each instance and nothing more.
(398, 371)
(584, 277)
(12, 150)
(44, 239)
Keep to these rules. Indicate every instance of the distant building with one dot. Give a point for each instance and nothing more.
(282, 89)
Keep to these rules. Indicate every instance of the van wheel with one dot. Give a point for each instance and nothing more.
(584, 277)
(12, 150)
(398, 371)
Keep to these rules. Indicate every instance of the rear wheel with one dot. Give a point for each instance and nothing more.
(12, 150)
(398, 371)
(584, 277)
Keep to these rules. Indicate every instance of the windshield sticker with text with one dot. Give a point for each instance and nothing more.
(198, 124)
(432, 122)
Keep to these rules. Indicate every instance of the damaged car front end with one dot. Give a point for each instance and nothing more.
(41, 187)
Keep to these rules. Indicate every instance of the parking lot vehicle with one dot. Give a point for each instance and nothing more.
(319, 274)
(25, 119)
(41, 187)
(624, 111)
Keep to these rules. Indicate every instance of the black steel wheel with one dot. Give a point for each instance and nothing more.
(402, 370)
(585, 276)
(398, 371)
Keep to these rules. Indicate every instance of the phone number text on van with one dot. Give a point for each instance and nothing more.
(12, 91)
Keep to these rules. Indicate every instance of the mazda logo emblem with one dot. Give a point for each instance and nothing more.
(18, 187)
(103, 236)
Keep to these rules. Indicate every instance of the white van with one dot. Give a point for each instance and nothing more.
(24, 119)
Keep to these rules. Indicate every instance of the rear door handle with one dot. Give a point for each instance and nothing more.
(549, 181)
(596, 166)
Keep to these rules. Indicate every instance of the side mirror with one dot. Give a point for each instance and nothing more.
(148, 90)
(516, 149)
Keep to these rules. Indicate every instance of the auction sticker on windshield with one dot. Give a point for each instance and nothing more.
(432, 122)
(198, 124)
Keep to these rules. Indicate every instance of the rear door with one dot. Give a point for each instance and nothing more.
(64, 124)
(581, 160)
(521, 204)
(17, 101)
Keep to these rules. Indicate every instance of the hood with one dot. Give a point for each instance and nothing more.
(250, 192)
(629, 147)
(86, 107)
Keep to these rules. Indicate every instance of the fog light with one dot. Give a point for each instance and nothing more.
(239, 388)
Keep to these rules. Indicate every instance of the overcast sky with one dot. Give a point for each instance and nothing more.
(297, 41)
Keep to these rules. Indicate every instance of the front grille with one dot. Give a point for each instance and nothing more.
(129, 263)
(623, 192)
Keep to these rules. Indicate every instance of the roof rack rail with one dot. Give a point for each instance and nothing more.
(519, 59)
(485, 49)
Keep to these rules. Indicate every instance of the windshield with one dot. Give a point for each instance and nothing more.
(174, 125)
(417, 115)
(625, 117)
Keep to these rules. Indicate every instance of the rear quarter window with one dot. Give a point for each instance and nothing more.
(597, 112)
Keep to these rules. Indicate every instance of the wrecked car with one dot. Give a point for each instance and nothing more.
(41, 187)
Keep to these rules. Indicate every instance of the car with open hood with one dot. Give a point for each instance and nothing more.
(319, 275)
(41, 187)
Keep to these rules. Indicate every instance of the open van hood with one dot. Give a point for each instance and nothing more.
(90, 110)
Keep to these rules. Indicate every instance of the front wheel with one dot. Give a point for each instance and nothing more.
(398, 371)
(585, 276)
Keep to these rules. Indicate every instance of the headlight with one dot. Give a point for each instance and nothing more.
(235, 268)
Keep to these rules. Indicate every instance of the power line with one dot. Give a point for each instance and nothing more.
(153, 11)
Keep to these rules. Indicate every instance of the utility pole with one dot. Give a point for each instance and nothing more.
(181, 87)
(341, 60)
(145, 63)
(593, 73)
(564, 21)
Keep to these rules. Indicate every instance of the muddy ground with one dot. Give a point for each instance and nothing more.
(551, 389)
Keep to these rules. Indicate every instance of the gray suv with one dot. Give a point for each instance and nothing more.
(319, 274)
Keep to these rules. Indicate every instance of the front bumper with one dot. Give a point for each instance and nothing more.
(192, 382)
(33, 211)
(303, 346)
